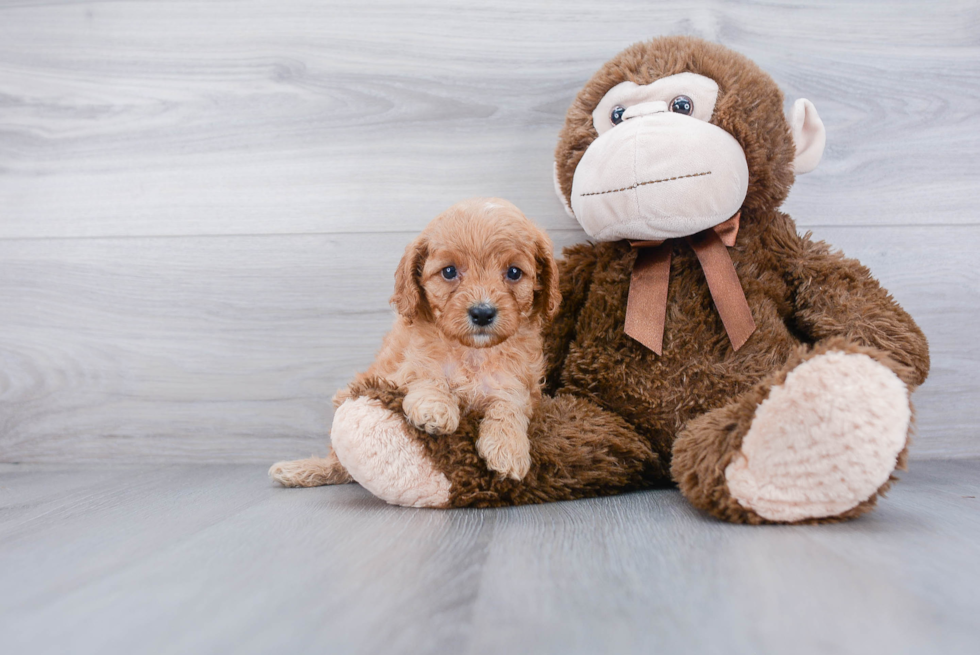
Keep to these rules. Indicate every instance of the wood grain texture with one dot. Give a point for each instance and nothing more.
(150, 118)
(215, 559)
(229, 348)
(201, 204)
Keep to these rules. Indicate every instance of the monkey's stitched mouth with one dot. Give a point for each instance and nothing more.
(639, 184)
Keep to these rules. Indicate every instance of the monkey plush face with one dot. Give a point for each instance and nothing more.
(675, 136)
(659, 168)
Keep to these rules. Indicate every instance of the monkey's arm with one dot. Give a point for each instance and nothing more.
(575, 271)
(837, 296)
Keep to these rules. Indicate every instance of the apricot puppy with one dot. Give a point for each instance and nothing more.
(472, 294)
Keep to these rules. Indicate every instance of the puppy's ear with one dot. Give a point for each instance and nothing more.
(409, 297)
(547, 297)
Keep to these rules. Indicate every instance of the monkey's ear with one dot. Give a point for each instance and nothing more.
(561, 196)
(409, 297)
(809, 136)
(547, 296)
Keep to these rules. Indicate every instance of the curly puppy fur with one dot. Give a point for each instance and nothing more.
(312, 472)
(437, 351)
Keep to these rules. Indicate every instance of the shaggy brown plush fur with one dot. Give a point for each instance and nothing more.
(621, 417)
(578, 451)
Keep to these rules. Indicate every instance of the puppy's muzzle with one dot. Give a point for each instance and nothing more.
(483, 314)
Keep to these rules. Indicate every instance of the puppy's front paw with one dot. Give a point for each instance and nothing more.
(506, 451)
(433, 412)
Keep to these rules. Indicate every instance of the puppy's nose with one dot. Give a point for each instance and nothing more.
(482, 314)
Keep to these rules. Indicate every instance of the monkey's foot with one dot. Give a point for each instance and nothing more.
(822, 442)
(374, 445)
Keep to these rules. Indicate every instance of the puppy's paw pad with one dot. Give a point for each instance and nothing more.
(434, 415)
(511, 457)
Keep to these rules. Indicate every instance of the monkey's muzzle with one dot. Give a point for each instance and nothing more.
(658, 175)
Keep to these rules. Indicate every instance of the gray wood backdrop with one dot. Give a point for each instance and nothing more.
(201, 204)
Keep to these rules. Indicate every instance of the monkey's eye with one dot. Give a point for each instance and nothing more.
(616, 115)
(514, 273)
(682, 105)
(449, 273)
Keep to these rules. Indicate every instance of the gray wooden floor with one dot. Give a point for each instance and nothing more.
(215, 559)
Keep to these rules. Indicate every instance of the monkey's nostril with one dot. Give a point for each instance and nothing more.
(482, 314)
(645, 109)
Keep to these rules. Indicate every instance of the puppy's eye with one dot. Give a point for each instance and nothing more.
(514, 273)
(682, 105)
(616, 115)
(449, 273)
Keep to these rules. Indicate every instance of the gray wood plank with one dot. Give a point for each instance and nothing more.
(130, 118)
(215, 559)
(354, 123)
(228, 349)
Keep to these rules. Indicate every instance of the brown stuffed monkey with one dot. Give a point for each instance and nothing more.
(700, 341)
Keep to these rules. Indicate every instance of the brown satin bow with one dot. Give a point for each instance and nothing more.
(646, 309)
